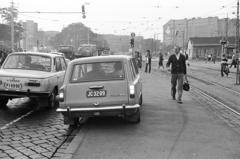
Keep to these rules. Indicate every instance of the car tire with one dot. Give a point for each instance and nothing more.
(134, 118)
(52, 102)
(3, 102)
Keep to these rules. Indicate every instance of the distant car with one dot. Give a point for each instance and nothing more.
(35, 75)
(62, 54)
(101, 86)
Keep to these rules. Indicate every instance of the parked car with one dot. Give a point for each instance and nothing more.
(34, 75)
(101, 86)
(62, 54)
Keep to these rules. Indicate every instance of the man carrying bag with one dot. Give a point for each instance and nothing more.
(178, 73)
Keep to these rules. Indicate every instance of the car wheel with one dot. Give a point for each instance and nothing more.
(134, 118)
(52, 102)
(3, 102)
(141, 100)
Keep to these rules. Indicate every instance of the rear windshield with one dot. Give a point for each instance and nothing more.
(28, 62)
(100, 71)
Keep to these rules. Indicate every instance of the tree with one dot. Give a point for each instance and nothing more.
(4, 32)
(6, 14)
(76, 34)
(18, 28)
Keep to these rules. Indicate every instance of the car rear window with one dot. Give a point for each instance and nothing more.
(28, 62)
(99, 71)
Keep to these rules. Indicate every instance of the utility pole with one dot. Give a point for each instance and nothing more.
(226, 27)
(174, 33)
(88, 36)
(237, 45)
(12, 27)
(225, 45)
(183, 38)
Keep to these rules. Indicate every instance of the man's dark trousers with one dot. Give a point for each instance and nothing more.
(148, 67)
(177, 79)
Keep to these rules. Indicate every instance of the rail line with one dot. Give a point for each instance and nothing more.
(215, 84)
(219, 103)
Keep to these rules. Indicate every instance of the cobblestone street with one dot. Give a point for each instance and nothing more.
(36, 136)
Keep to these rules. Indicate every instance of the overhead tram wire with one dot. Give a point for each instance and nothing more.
(25, 13)
(39, 12)
(55, 20)
(219, 9)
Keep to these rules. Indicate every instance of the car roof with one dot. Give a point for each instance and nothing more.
(57, 53)
(38, 53)
(101, 58)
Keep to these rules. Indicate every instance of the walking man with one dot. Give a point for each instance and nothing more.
(160, 61)
(224, 65)
(178, 71)
(148, 62)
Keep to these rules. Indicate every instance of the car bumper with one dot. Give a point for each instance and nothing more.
(102, 111)
(24, 94)
(98, 109)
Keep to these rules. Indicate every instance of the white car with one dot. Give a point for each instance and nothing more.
(32, 74)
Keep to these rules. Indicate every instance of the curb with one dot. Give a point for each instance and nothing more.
(75, 144)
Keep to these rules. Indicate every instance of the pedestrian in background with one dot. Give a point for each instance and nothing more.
(209, 57)
(160, 62)
(224, 65)
(148, 62)
(178, 72)
(214, 58)
(234, 61)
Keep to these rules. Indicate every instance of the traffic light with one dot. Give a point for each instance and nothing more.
(132, 42)
(83, 12)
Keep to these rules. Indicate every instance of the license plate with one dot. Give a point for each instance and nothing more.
(96, 93)
(16, 86)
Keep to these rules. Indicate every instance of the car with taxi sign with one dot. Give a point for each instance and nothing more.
(32, 74)
(101, 86)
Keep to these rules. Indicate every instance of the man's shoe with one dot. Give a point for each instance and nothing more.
(173, 97)
(179, 101)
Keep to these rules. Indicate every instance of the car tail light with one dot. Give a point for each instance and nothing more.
(60, 96)
(132, 91)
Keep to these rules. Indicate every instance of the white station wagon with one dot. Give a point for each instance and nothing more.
(101, 86)
(32, 74)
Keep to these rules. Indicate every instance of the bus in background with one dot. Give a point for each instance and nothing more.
(68, 51)
(86, 50)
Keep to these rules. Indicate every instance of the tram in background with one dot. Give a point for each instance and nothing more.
(86, 50)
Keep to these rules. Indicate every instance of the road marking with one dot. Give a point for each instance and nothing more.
(16, 120)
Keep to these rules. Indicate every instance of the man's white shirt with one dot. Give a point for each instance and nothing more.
(177, 56)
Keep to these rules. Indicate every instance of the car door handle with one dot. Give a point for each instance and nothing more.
(96, 87)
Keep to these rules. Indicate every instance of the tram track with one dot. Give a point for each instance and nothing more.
(225, 112)
(220, 107)
(215, 84)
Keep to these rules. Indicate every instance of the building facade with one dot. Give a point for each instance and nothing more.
(121, 43)
(201, 47)
(30, 34)
(178, 32)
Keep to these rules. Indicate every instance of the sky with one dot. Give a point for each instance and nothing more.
(143, 17)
